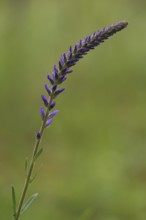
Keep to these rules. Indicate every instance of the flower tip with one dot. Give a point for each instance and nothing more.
(123, 23)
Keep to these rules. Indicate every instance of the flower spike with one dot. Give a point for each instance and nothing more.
(69, 59)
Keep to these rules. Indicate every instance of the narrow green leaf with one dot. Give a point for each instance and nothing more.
(37, 154)
(14, 200)
(33, 178)
(29, 202)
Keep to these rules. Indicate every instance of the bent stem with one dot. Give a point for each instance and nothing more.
(31, 166)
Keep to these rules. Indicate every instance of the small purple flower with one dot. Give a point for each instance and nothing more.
(45, 100)
(61, 60)
(60, 66)
(67, 70)
(42, 111)
(55, 73)
(58, 91)
(55, 69)
(50, 79)
(48, 122)
(61, 79)
(52, 114)
(64, 58)
(54, 87)
(38, 135)
(48, 89)
(52, 105)
(54, 76)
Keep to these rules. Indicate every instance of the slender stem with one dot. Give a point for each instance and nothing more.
(31, 166)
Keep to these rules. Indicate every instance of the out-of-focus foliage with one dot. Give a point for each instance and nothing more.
(93, 165)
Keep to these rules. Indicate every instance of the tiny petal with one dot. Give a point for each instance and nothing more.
(77, 45)
(74, 60)
(49, 121)
(54, 87)
(38, 135)
(55, 75)
(75, 49)
(70, 63)
(70, 49)
(65, 57)
(50, 79)
(61, 79)
(58, 91)
(55, 69)
(80, 43)
(60, 65)
(42, 111)
(70, 53)
(61, 60)
(52, 114)
(45, 100)
(66, 71)
(48, 89)
(52, 105)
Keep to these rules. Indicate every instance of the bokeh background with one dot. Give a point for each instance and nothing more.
(94, 160)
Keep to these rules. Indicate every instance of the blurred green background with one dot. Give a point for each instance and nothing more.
(94, 160)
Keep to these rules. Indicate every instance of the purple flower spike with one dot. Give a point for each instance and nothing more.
(42, 111)
(48, 89)
(68, 60)
(58, 91)
(49, 121)
(45, 100)
(50, 79)
(52, 114)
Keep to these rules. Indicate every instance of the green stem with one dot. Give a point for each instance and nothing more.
(31, 166)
